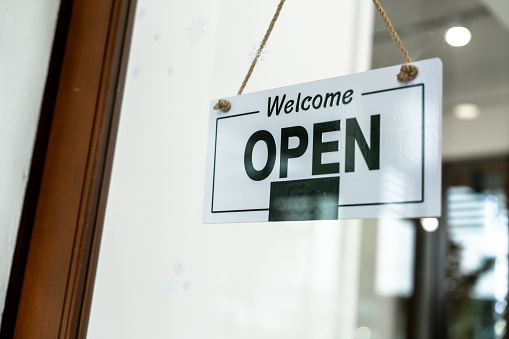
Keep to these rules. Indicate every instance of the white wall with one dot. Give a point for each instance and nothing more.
(164, 274)
(27, 28)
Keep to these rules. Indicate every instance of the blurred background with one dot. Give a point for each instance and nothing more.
(459, 271)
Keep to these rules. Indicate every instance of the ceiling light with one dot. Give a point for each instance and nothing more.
(466, 111)
(429, 224)
(458, 36)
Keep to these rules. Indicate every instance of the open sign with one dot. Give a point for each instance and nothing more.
(358, 146)
(371, 153)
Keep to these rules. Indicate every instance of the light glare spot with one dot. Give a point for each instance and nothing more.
(466, 111)
(429, 224)
(458, 36)
(363, 332)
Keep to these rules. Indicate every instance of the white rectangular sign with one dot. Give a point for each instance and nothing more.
(356, 146)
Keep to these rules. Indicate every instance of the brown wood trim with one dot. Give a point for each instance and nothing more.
(56, 290)
(109, 149)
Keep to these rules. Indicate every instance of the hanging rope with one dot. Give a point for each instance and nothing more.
(408, 71)
(222, 106)
(259, 52)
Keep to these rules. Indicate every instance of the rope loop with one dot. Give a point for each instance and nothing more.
(223, 105)
(407, 73)
(259, 52)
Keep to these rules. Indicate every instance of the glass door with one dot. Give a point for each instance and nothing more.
(162, 273)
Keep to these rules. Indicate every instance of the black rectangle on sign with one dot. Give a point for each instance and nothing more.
(309, 199)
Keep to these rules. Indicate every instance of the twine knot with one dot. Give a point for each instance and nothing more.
(223, 105)
(407, 72)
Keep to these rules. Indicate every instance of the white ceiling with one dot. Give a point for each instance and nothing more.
(476, 73)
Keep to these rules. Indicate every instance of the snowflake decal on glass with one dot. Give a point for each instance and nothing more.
(263, 53)
(196, 30)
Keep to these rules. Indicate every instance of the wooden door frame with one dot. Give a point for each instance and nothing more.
(50, 290)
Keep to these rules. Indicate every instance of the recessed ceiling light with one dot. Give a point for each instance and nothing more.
(458, 36)
(466, 111)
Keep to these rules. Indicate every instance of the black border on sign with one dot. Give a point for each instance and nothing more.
(347, 205)
(214, 170)
(422, 154)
